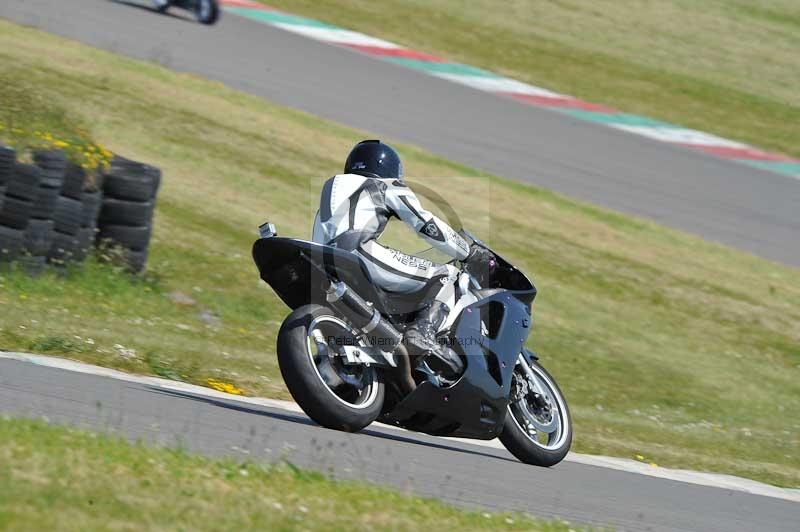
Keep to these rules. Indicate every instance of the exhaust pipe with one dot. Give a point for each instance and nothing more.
(379, 332)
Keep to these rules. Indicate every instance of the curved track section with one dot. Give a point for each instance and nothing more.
(717, 199)
(461, 473)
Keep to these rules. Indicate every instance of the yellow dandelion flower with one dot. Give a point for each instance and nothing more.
(224, 387)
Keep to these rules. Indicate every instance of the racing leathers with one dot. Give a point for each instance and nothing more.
(353, 213)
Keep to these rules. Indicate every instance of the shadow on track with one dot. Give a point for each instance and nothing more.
(150, 8)
(301, 419)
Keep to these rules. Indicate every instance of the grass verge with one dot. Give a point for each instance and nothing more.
(668, 347)
(28, 121)
(729, 67)
(54, 478)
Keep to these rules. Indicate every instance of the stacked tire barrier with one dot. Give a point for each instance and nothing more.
(51, 213)
(126, 217)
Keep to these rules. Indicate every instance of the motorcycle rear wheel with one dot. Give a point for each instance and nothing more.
(538, 427)
(206, 11)
(336, 396)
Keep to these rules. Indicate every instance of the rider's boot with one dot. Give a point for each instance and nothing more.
(422, 344)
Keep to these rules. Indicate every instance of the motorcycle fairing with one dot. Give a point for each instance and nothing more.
(475, 406)
(294, 269)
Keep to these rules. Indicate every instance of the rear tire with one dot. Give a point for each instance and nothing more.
(207, 11)
(296, 359)
(523, 446)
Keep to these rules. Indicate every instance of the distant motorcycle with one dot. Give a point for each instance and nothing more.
(205, 11)
(342, 359)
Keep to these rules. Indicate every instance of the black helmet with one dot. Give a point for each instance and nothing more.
(373, 158)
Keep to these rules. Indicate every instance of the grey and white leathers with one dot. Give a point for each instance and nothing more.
(354, 211)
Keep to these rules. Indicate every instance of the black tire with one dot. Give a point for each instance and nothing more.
(32, 265)
(15, 212)
(24, 182)
(517, 442)
(52, 179)
(132, 185)
(136, 261)
(305, 384)
(52, 165)
(10, 243)
(135, 238)
(39, 237)
(92, 202)
(44, 204)
(50, 159)
(74, 179)
(207, 11)
(68, 215)
(84, 241)
(8, 157)
(122, 212)
(120, 164)
(62, 249)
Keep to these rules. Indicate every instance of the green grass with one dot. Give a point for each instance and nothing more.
(667, 346)
(54, 478)
(729, 67)
(28, 122)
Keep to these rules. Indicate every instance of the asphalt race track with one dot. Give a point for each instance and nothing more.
(460, 473)
(720, 200)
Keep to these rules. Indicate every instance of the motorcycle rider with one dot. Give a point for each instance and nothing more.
(354, 209)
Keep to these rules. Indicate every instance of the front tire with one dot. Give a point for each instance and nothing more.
(336, 396)
(538, 426)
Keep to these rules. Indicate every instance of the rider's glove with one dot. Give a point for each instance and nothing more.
(479, 263)
(479, 255)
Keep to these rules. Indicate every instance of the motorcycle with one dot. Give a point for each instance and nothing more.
(205, 11)
(341, 354)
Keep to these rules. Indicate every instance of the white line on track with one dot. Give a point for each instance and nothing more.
(714, 480)
(491, 84)
(336, 35)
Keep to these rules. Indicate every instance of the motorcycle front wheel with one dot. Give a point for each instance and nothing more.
(538, 426)
(335, 395)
